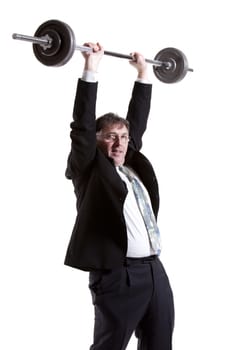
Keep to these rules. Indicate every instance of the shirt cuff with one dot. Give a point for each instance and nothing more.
(89, 76)
(143, 81)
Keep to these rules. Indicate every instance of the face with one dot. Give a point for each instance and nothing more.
(113, 141)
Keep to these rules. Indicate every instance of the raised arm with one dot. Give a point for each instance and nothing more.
(83, 133)
(139, 106)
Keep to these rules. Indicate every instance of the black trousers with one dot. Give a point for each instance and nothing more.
(136, 297)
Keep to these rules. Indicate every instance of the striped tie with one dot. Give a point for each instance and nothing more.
(145, 209)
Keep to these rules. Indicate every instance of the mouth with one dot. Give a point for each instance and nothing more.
(118, 156)
(116, 152)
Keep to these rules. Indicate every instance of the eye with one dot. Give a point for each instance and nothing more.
(110, 137)
(124, 138)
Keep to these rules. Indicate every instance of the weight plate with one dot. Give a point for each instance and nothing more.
(62, 47)
(176, 67)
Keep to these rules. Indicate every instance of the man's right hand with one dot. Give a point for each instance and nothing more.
(138, 62)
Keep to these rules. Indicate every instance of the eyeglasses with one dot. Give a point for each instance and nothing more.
(112, 137)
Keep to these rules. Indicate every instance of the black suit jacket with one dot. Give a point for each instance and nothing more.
(99, 237)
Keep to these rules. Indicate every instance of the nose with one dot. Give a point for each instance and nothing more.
(118, 141)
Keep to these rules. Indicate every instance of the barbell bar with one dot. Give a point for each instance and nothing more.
(54, 44)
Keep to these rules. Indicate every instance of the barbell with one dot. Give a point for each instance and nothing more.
(54, 44)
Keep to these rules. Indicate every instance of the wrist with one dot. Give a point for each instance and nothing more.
(142, 75)
(89, 76)
(143, 81)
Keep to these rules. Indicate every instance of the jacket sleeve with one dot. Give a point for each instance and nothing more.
(83, 132)
(138, 112)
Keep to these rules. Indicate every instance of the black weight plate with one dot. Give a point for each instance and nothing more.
(63, 43)
(178, 65)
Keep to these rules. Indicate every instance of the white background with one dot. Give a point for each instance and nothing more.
(45, 305)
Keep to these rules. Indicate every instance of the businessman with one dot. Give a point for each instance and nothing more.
(115, 235)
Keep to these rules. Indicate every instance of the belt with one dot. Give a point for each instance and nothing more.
(143, 260)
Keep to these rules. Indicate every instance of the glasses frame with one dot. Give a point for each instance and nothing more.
(113, 137)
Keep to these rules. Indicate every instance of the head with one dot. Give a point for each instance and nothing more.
(112, 134)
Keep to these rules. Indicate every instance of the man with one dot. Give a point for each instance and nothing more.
(111, 237)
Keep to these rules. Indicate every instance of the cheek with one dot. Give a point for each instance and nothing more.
(125, 150)
(105, 148)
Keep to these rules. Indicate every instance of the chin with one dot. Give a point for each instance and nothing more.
(118, 162)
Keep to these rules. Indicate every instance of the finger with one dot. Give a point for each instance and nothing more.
(134, 57)
(100, 47)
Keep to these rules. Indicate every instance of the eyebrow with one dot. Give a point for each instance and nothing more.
(115, 133)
